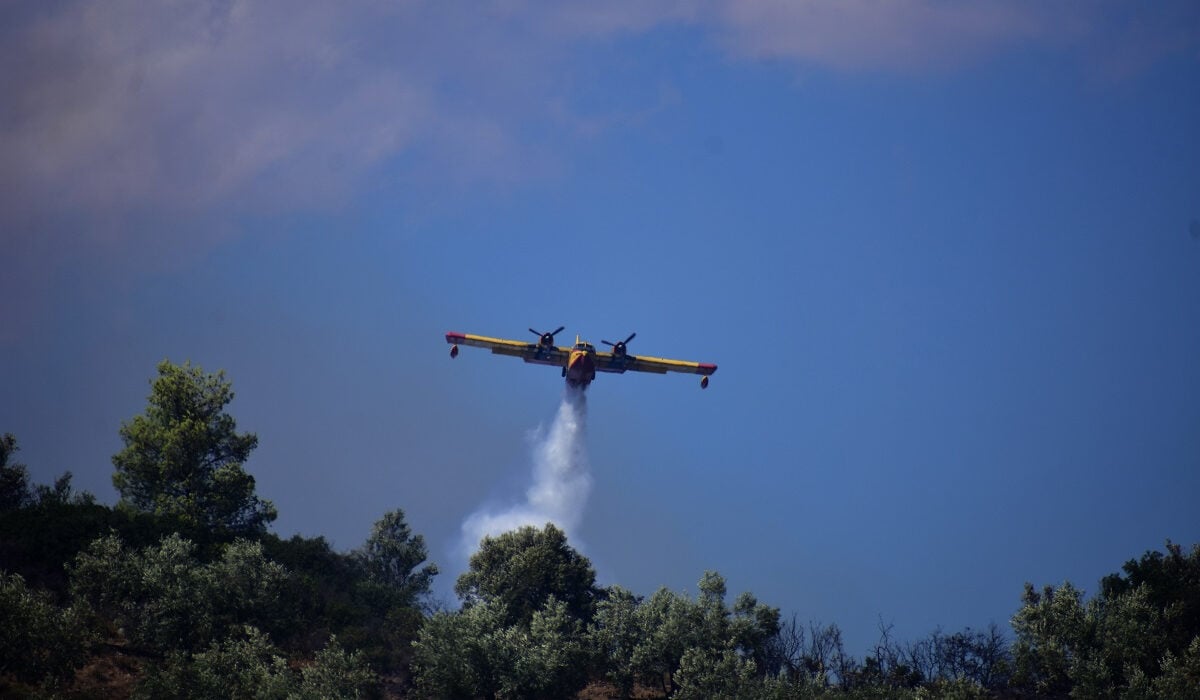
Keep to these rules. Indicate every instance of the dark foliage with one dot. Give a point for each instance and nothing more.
(522, 569)
(183, 576)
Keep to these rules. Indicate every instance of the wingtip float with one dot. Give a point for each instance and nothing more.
(581, 361)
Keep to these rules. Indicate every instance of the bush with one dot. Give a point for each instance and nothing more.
(39, 642)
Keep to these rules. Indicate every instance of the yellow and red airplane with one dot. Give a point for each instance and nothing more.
(581, 361)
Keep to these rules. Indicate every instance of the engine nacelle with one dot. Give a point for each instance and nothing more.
(454, 352)
(704, 382)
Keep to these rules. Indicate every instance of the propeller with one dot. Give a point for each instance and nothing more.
(619, 348)
(547, 338)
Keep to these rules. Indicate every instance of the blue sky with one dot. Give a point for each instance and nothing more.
(942, 254)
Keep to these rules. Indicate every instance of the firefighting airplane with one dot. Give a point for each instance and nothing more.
(581, 361)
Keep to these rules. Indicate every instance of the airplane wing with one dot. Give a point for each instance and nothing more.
(611, 362)
(530, 352)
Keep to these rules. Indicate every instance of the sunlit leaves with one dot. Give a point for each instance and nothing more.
(163, 599)
(523, 568)
(183, 457)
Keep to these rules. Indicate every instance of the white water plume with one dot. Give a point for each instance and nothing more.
(561, 479)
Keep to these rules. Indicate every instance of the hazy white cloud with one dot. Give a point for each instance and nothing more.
(180, 104)
(579, 19)
(189, 113)
(897, 35)
(119, 111)
(1110, 39)
(905, 36)
(271, 104)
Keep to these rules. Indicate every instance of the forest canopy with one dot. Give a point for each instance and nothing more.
(181, 590)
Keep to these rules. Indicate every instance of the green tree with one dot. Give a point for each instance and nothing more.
(1120, 641)
(707, 673)
(389, 589)
(672, 625)
(669, 625)
(165, 599)
(61, 493)
(752, 628)
(320, 591)
(1171, 584)
(1180, 673)
(552, 660)
(521, 633)
(614, 635)
(473, 653)
(392, 555)
(248, 665)
(14, 477)
(523, 568)
(183, 457)
(335, 674)
(39, 642)
(38, 539)
(1052, 629)
(245, 665)
(460, 654)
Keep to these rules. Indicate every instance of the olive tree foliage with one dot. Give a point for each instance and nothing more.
(1178, 677)
(522, 569)
(245, 665)
(743, 631)
(709, 673)
(646, 641)
(456, 654)
(1171, 584)
(550, 659)
(527, 597)
(1070, 646)
(183, 457)
(39, 642)
(1137, 636)
(614, 634)
(474, 653)
(1052, 628)
(248, 665)
(335, 673)
(166, 600)
(667, 623)
(392, 558)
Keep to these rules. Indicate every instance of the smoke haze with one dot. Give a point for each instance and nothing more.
(561, 479)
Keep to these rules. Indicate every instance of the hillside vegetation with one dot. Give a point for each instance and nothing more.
(180, 590)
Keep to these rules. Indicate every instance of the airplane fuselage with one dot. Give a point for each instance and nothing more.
(581, 367)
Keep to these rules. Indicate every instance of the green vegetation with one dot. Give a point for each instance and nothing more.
(519, 571)
(181, 591)
(183, 458)
(1138, 638)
